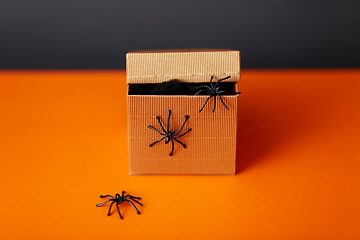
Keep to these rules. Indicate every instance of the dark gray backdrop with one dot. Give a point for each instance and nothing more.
(97, 34)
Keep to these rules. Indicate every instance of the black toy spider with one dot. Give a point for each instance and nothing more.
(170, 135)
(213, 91)
(120, 199)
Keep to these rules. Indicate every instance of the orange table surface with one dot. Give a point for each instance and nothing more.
(63, 142)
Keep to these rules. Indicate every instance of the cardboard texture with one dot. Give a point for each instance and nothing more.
(211, 145)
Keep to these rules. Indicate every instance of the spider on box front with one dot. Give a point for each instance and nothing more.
(120, 199)
(170, 135)
(214, 91)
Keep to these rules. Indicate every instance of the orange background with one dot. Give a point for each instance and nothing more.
(63, 142)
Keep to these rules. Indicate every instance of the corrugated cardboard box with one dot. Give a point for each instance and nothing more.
(211, 144)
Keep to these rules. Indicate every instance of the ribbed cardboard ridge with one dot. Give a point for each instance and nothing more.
(187, 66)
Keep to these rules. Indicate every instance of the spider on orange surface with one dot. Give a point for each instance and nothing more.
(120, 199)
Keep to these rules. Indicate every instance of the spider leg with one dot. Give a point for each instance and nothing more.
(158, 118)
(172, 147)
(110, 208)
(183, 133)
(128, 195)
(137, 202)
(214, 104)
(137, 210)
(156, 130)
(157, 141)
(133, 199)
(118, 210)
(103, 196)
(223, 102)
(212, 77)
(205, 103)
(206, 86)
(186, 118)
(180, 142)
(230, 93)
(200, 91)
(168, 125)
(100, 204)
(222, 80)
(131, 196)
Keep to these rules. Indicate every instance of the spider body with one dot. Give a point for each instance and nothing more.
(170, 135)
(120, 199)
(214, 91)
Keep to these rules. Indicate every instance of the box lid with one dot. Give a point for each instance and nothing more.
(185, 65)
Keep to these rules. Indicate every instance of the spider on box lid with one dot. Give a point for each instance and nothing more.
(214, 91)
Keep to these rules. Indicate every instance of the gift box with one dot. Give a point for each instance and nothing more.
(166, 133)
